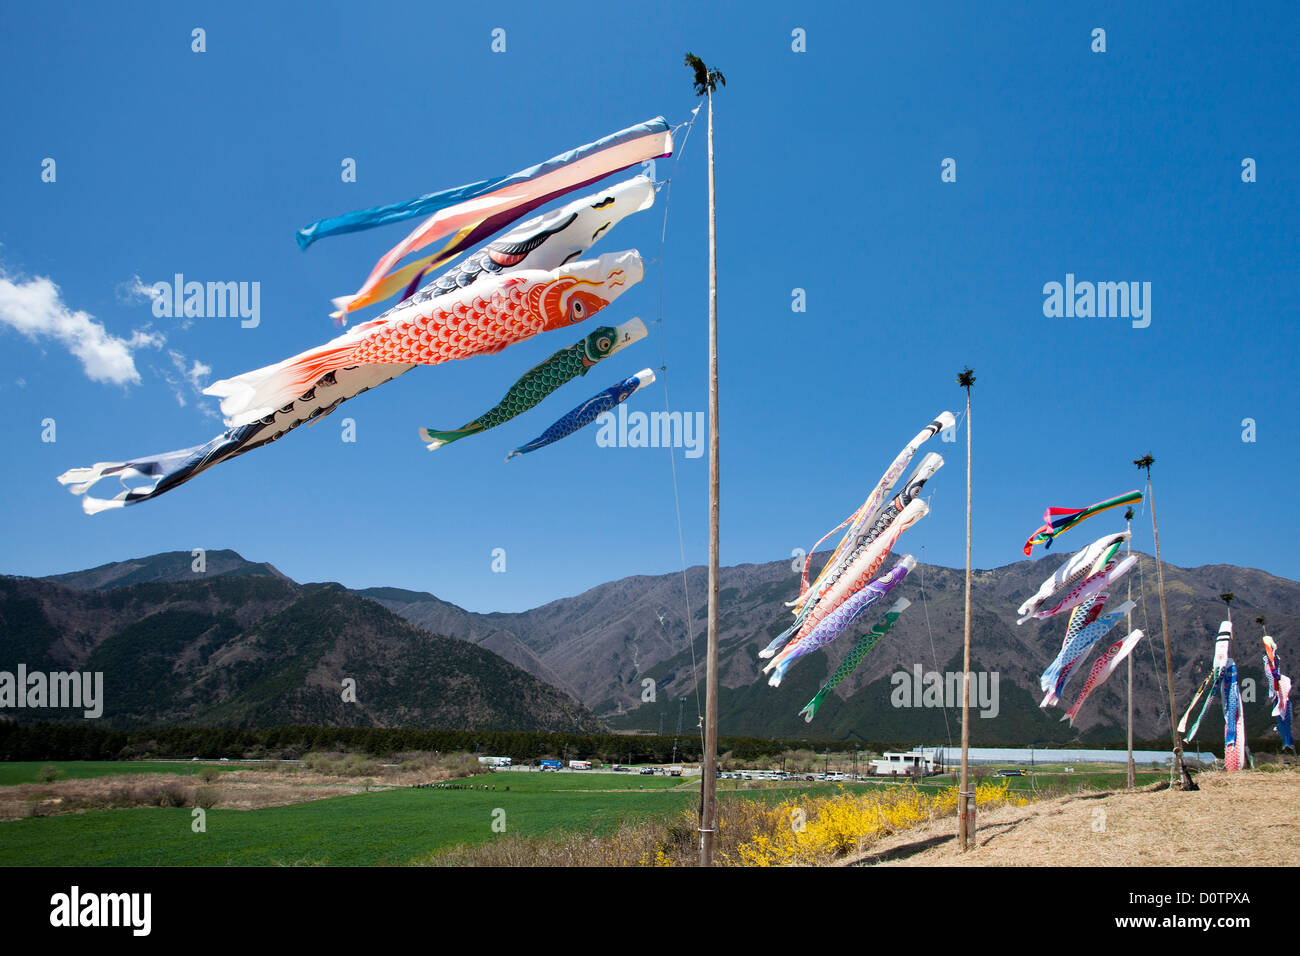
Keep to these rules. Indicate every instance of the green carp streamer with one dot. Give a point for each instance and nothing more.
(540, 381)
(865, 643)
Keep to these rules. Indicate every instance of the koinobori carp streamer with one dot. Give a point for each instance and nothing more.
(1279, 692)
(1222, 649)
(1234, 720)
(837, 621)
(861, 570)
(472, 212)
(544, 242)
(1102, 668)
(867, 532)
(543, 379)
(587, 412)
(1075, 569)
(1089, 587)
(878, 498)
(850, 663)
(1060, 670)
(482, 319)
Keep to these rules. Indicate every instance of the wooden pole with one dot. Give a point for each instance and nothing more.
(1132, 771)
(964, 821)
(1179, 770)
(709, 785)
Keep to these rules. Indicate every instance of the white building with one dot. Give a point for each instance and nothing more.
(900, 764)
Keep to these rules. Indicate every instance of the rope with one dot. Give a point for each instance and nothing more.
(667, 185)
(934, 654)
(1146, 619)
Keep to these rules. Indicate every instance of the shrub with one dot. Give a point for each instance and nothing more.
(804, 830)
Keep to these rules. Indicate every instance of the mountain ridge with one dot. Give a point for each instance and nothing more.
(624, 650)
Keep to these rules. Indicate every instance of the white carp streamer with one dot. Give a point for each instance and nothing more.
(1071, 572)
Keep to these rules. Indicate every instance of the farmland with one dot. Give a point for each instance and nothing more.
(325, 821)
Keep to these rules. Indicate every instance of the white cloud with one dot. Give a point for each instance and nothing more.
(36, 309)
(192, 373)
(135, 289)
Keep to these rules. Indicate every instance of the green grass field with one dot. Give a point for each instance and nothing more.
(384, 827)
(394, 826)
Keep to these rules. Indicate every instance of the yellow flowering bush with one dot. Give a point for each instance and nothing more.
(813, 830)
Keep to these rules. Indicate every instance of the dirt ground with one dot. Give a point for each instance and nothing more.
(1248, 818)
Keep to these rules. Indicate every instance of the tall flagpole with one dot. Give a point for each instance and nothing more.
(709, 823)
(1132, 771)
(965, 802)
(705, 80)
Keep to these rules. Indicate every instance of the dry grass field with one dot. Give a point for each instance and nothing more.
(251, 789)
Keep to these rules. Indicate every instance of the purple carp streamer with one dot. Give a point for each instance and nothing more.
(868, 534)
(827, 608)
(1279, 692)
(544, 242)
(838, 620)
(1058, 673)
(1102, 668)
(878, 496)
(870, 530)
(850, 663)
(1074, 570)
(855, 576)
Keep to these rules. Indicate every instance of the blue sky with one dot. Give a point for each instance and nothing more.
(1115, 166)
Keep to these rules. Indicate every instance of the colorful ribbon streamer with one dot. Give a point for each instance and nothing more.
(1060, 520)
